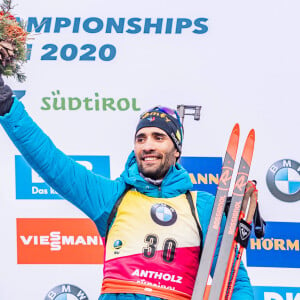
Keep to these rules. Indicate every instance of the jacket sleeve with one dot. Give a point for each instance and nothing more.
(242, 289)
(91, 193)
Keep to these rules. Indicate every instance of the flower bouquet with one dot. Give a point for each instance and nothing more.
(13, 38)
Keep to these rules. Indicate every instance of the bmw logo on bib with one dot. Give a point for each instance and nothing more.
(163, 214)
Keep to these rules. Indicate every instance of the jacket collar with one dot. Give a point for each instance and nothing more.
(176, 181)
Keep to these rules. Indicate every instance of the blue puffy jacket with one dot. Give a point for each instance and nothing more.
(96, 195)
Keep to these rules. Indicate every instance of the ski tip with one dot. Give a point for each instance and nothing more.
(249, 147)
(234, 141)
(252, 134)
(236, 129)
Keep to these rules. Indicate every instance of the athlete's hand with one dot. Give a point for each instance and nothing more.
(250, 195)
(6, 100)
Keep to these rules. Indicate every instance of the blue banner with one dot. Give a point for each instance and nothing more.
(204, 172)
(276, 293)
(279, 248)
(29, 185)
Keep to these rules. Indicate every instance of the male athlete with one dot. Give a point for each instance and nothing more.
(154, 227)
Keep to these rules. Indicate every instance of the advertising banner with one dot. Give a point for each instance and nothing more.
(93, 68)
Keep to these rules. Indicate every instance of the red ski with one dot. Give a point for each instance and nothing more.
(227, 254)
(228, 247)
(217, 213)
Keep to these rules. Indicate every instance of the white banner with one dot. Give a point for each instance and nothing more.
(95, 66)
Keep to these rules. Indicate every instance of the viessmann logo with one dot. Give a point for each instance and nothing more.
(29, 185)
(58, 241)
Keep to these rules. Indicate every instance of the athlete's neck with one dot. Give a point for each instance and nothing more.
(156, 182)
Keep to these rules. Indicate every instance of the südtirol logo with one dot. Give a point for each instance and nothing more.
(93, 102)
(58, 241)
(29, 185)
(283, 180)
(65, 291)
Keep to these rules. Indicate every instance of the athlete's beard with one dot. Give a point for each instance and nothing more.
(161, 170)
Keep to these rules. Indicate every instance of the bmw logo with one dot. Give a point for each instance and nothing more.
(283, 180)
(163, 214)
(66, 292)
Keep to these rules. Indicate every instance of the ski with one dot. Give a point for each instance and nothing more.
(241, 240)
(222, 271)
(217, 213)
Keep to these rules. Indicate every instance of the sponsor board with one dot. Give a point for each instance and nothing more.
(279, 248)
(65, 292)
(276, 293)
(204, 172)
(58, 101)
(58, 241)
(29, 185)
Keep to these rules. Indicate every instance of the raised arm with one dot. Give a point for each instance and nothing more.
(91, 193)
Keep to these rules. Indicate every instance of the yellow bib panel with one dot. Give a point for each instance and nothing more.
(152, 247)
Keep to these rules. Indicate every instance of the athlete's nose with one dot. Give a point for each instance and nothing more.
(149, 144)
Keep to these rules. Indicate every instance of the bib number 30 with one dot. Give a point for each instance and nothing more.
(168, 249)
